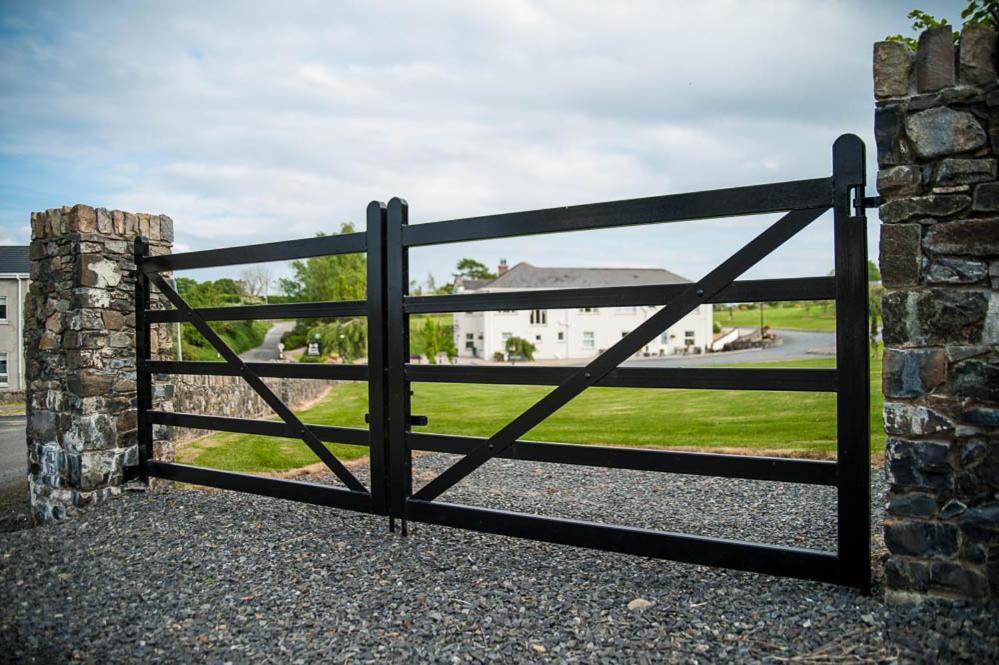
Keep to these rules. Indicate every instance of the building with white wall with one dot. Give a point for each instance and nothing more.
(573, 333)
(14, 269)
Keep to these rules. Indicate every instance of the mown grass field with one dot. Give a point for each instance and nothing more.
(815, 317)
(792, 422)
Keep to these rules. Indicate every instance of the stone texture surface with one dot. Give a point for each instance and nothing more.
(940, 270)
(943, 131)
(79, 325)
(232, 396)
(935, 60)
(978, 55)
(891, 69)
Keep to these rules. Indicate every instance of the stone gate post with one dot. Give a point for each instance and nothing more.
(937, 132)
(79, 324)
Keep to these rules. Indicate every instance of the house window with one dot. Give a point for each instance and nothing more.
(588, 340)
(537, 338)
(3, 308)
(588, 310)
(470, 345)
(688, 338)
(539, 317)
(561, 336)
(3, 369)
(469, 336)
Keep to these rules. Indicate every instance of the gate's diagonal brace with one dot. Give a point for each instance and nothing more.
(272, 400)
(694, 295)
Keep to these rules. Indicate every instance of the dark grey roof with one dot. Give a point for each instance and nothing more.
(471, 284)
(525, 276)
(14, 259)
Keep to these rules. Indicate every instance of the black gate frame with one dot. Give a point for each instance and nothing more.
(391, 440)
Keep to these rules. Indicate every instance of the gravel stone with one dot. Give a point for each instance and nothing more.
(201, 576)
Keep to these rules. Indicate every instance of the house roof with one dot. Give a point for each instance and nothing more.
(525, 276)
(14, 259)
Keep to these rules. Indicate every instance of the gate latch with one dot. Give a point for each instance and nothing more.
(420, 421)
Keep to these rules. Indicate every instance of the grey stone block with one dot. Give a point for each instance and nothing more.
(938, 132)
(935, 60)
(977, 56)
(892, 63)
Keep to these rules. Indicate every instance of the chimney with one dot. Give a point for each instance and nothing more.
(501, 270)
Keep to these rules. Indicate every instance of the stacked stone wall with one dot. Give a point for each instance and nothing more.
(231, 396)
(937, 132)
(79, 324)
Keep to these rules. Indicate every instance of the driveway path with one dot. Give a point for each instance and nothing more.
(13, 474)
(268, 351)
(798, 344)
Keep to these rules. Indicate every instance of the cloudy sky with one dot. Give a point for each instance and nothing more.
(250, 122)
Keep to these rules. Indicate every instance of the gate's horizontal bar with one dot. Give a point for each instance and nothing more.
(778, 469)
(286, 250)
(762, 290)
(705, 551)
(352, 435)
(754, 200)
(294, 490)
(303, 310)
(276, 370)
(763, 378)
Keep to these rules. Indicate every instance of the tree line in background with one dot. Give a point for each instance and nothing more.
(240, 336)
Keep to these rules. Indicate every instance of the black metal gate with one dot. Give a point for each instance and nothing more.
(388, 306)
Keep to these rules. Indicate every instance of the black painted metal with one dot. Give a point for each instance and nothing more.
(814, 380)
(294, 490)
(802, 288)
(143, 381)
(389, 436)
(250, 312)
(351, 435)
(377, 349)
(774, 197)
(810, 472)
(274, 370)
(853, 361)
(286, 250)
(770, 559)
(397, 326)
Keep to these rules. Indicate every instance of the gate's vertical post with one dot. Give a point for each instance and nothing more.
(143, 380)
(853, 364)
(377, 442)
(396, 287)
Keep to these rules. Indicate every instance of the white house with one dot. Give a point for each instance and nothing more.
(573, 333)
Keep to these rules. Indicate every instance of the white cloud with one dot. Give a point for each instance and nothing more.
(250, 122)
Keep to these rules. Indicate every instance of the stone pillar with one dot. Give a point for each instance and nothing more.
(937, 131)
(79, 337)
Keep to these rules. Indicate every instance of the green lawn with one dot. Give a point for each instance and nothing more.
(797, 422)
(790, 318)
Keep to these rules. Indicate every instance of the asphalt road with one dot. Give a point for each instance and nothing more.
(797, 345)
(268, 351)
(13, 453)
(13, 474)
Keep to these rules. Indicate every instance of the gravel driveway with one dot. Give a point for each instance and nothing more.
(210, 576)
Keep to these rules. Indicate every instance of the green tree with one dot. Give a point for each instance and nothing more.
(322, 278)
(472, 269)
(976, 12)
(436, 338)
(873, 274)
(518, 346)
